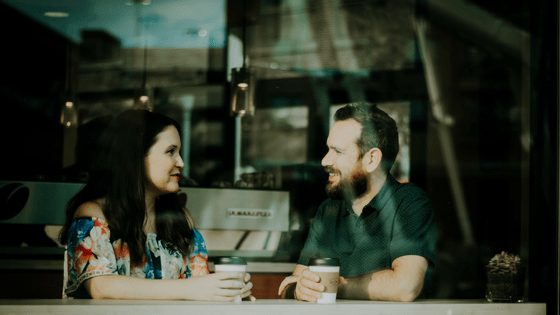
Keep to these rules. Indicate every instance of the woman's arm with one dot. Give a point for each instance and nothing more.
(221, 287)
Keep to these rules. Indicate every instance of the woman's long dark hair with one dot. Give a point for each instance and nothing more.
(118, 175)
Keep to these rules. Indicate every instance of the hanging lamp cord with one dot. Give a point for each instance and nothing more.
(244, 33)
(145, 70)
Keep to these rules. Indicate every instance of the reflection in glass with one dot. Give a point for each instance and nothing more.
(242, 91)
(142, 100)
(69, 115)
(276, 136)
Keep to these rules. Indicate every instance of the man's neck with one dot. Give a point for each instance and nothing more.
(375, 184)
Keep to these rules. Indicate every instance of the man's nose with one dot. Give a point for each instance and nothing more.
(327, 160)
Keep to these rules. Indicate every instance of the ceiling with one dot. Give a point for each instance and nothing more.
(162, 23)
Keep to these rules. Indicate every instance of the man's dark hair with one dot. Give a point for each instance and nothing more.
(378, 130)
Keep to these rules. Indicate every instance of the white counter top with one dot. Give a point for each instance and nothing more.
(29, 264)
(269, 307)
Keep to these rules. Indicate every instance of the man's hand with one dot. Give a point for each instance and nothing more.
(307, 285)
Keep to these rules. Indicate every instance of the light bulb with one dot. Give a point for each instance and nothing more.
(243, 90)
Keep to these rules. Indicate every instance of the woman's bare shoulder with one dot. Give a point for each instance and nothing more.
(92, 208)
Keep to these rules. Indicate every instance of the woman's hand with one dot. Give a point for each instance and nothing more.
(248, 285)
(221, 286)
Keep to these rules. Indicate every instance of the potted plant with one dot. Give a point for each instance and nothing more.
(505, 278)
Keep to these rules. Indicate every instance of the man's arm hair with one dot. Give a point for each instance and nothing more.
(402, 282)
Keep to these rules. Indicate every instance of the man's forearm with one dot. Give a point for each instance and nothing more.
(385, 285)
(402, 282)
(375, 285)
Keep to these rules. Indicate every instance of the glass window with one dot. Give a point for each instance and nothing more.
(471, 84)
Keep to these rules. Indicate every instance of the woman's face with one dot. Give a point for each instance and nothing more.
(163, 163)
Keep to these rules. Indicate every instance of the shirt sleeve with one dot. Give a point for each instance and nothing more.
(89, 253)
(414, 230)
(198, 259)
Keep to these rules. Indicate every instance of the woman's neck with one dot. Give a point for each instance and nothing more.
(150, 206)
(150, 216)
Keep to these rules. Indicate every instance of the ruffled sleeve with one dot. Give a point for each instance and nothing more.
(89, 253)
(197, 264)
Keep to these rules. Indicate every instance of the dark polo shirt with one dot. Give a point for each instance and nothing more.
(398, 221)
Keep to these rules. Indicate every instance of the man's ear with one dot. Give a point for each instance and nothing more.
(372, 159)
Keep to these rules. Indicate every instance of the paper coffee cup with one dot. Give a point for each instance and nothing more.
(328, 270)
(231, 264)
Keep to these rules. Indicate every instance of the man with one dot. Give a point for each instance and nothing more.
(382, 231)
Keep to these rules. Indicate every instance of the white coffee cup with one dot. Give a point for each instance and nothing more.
(328, 270)
(231, 264)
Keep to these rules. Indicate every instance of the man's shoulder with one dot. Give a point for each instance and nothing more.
(410, 190)
(413, 201)
(407, 197)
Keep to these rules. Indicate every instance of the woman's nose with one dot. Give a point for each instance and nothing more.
(179, 163)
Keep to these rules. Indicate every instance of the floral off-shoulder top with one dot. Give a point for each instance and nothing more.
(93, 251)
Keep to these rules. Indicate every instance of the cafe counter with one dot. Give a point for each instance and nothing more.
(268, 307)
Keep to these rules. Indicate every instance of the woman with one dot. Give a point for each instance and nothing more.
(126, 227)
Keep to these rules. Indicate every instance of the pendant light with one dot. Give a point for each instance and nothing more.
(69, 117)
(142, 98)
(243, 80)
(242, 97)
(69, 113)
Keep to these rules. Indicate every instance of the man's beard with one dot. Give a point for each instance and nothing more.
(347, 189)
